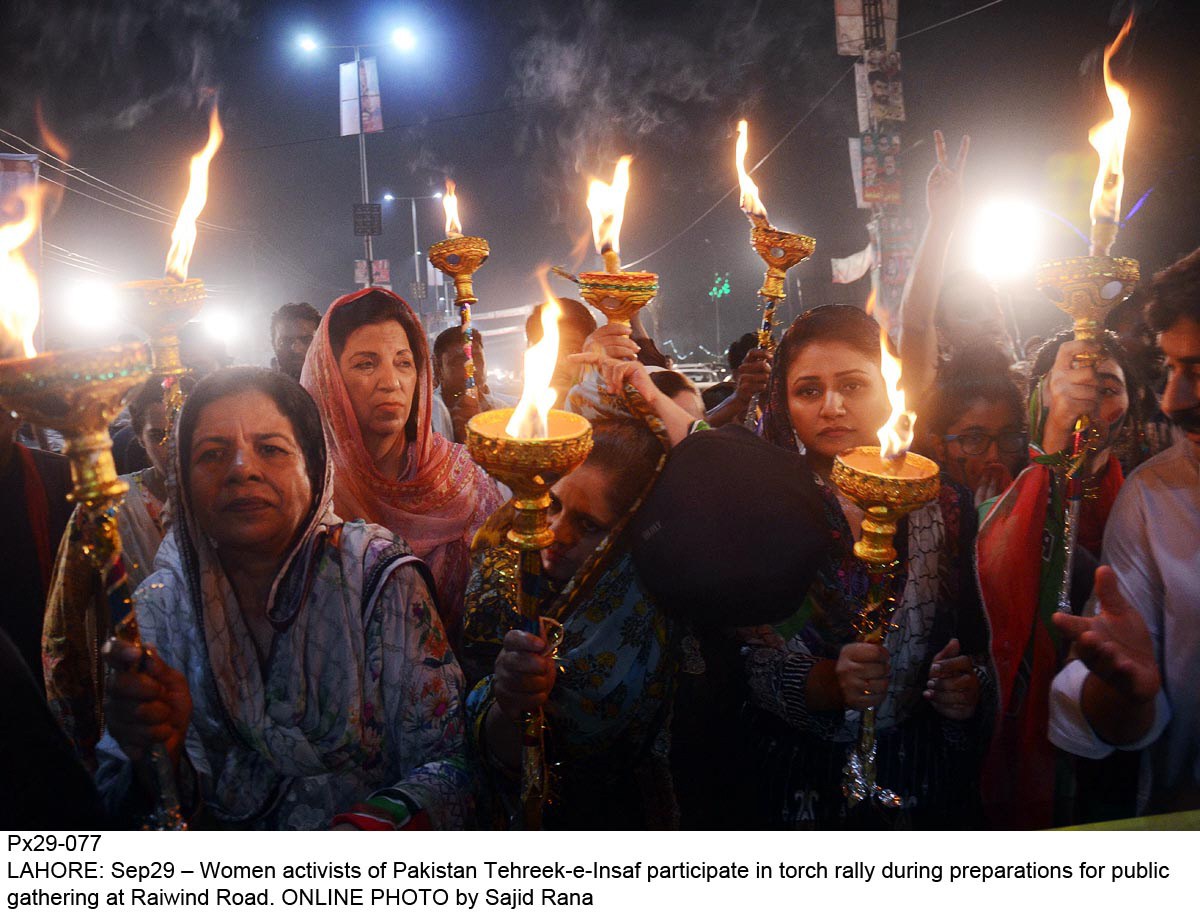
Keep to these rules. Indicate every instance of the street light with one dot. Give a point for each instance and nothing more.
(412, 201)
(405, 40)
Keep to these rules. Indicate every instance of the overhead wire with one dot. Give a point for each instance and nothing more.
(801, 121)
(93, 180)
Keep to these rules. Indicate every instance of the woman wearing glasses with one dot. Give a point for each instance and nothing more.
(974, 423)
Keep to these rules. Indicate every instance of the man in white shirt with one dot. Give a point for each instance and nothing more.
(1136, 682)
(451, 405)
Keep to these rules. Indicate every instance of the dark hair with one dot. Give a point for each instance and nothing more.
(649, 353)
(451, 337)
(290, 398)
(736, 354)
(1139, 396)
(143, 399)
(1175, 294)
(629, 453)
(295, 310)
(377, 305)
(841, 323)
(148, 395)
(672, 383)
(977, 372)
(574, 314)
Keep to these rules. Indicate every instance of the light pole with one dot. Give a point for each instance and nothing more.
(412, 201)
(405, 40)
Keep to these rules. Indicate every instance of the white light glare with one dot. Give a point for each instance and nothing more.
(92, 305)
(307, 43)
(222, 325)
(437, 195)
(404, 39)
(388, 197)
(1004, 245)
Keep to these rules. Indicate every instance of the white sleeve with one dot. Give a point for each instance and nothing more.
(1069, 728)
(443, 425)
(1127, 550)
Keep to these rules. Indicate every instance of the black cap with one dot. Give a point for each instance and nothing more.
(733, 532)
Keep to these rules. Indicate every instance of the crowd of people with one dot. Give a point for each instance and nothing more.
(329, 606)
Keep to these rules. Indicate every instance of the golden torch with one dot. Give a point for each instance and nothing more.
(1087, 288)
(459, 257)
(780, 250)
(617, 294)
(529, 449)
(887, 483)
(78, 393)
(161, 307)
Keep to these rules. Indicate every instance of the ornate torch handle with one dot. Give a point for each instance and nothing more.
(102, 547)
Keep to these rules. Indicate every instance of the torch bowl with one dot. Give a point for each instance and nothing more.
(161, 308)
(1087, 288)
(78, 393)
(459, 257)
(529, 467)
(780, 250)
(886, 491)
(618, 295)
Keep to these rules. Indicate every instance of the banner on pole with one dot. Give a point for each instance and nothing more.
(848, 25)
(856, 171)
(359, 95)
(896, 254)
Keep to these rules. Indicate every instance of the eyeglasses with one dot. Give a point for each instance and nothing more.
(977, 443)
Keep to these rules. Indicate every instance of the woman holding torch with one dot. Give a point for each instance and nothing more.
(929, 680)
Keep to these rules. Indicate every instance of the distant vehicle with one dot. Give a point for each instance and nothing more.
(703, 374)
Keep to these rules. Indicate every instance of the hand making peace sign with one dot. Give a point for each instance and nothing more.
(943, 189)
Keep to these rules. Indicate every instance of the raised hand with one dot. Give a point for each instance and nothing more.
(944, 188)
(1071, 391)
(753, 374)
(953, 686)
(614, 340)
(1115, 643)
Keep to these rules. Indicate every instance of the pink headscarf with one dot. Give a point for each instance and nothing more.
(440, 499)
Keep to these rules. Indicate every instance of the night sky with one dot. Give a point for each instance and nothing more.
(522, 102)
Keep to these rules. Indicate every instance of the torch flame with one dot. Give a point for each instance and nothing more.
(897, 433)
(1108, 138)
(531, 418)
(607, 206)
(450, 203)
(751, 203)
(19, 303)
(183, 237)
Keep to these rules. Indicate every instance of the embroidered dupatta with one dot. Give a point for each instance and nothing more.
(441, 497)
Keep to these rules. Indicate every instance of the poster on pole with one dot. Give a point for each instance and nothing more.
(878, 89)
(881, 168)
(359, 95)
